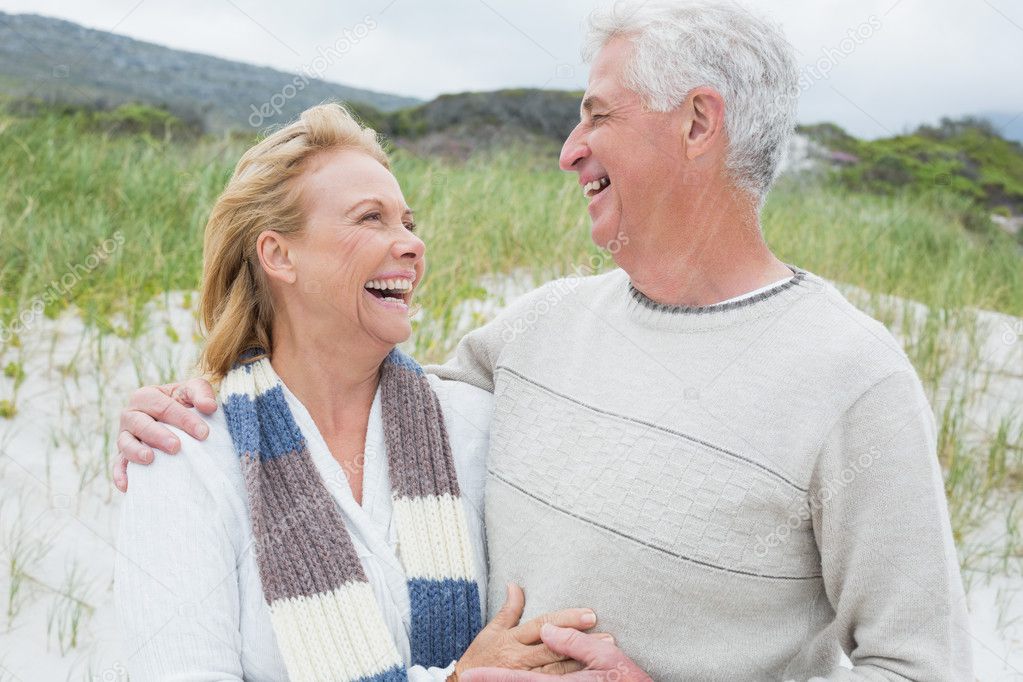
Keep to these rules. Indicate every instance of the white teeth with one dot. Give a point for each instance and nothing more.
(390, 284)
(591, 188)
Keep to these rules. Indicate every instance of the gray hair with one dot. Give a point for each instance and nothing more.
(682, 45)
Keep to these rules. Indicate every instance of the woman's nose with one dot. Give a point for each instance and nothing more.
(409, 247)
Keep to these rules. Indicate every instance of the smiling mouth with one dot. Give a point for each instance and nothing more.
(592, 189)
(390, 290)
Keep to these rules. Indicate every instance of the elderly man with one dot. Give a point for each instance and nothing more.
(717, 452)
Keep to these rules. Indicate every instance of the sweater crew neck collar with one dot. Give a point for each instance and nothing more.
(647, 312)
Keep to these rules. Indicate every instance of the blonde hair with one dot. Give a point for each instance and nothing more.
(235, 309)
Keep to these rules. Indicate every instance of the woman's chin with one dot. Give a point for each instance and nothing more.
(383, 323)
(403, 335)
(392, 332)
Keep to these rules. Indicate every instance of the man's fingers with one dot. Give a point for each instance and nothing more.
(589, 649)
(502, 675)
(145, 397)
(131, 449)
(539, 655)
(166, 409)
(142, 431)
(562, 667)
(173, 413)
(509, 615)
(121, 474)
(199, 392)
(581, 619)
(505, 675)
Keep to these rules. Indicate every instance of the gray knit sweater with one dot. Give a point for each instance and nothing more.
(740, 491)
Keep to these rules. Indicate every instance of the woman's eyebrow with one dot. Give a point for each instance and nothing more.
(374, 201)
(377, 202)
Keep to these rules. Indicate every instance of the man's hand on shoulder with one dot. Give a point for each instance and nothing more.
(148, 409)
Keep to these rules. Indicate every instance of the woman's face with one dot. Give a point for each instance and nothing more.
(356, 263)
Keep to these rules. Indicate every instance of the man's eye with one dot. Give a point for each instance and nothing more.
(371, 216)
(596, 118)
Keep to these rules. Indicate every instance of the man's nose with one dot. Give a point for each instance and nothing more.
(574, 149)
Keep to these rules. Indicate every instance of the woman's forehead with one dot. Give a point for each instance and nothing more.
(350, 175)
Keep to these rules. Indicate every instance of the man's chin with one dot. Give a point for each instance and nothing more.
(605, 233)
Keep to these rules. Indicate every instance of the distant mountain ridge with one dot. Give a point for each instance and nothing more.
(58, 60)
(968, 157)
(1009, 126)
(978, 158)
(457, 124)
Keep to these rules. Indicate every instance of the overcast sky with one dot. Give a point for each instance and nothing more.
(909, 61)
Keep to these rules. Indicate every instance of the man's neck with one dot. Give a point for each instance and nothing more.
(706, 264)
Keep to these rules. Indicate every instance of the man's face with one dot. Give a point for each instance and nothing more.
(628, 159)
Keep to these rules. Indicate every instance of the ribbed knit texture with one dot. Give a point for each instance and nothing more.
(327, 622)
(740, 491)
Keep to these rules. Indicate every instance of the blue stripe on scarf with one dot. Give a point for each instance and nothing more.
(396, 357)
(274, 434)
(437, 638)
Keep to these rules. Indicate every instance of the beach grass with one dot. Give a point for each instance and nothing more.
(106, 222)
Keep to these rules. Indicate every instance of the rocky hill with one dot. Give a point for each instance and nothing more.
(55, 60)
(966, 157)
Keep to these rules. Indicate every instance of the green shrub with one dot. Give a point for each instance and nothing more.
(966, 158)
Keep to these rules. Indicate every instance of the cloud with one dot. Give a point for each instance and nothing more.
(926, 58)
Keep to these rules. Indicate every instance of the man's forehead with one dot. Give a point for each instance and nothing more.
(605, 72)
(610, 58)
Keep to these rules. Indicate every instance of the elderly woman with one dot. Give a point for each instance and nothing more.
(330, 525)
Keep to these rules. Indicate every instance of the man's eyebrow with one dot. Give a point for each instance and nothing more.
(590, 102)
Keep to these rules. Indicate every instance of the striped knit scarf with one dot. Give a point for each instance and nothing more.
(325, 617)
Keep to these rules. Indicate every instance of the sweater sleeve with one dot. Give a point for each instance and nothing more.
(176, 586)
(888, 560)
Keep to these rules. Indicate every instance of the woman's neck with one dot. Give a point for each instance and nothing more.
(332, 378)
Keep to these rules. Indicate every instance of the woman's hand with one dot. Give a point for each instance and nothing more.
(150, 406)
(504, 643)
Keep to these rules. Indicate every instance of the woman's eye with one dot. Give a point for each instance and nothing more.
(371, 216)
(411, 227)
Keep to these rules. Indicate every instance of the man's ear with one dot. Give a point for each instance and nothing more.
(703, 122)
(275, 257)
